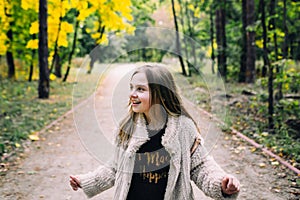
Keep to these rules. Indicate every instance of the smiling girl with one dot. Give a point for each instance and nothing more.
(159, 150)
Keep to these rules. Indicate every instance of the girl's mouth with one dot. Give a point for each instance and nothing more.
(135, 102)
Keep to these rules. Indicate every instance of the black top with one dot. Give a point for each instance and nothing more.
(150, 177)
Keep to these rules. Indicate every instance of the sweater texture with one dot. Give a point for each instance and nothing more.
(178, 139)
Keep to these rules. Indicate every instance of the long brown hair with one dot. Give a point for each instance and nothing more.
(162, 89)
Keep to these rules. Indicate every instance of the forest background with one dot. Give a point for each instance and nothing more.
(252, 45)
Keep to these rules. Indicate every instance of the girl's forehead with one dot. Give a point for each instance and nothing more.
(139, 79)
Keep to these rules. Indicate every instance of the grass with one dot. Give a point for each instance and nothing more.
(22, 113)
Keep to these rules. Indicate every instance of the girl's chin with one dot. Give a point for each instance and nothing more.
(136, 110)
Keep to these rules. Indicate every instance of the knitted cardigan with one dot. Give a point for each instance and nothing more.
(178, 139)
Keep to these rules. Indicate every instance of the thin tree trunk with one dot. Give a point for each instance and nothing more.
(270, 100)
(72, 52)
(286, 32)
(101, 30)
(181, 19)
(264, 27)
(44, 82)
(212, 41)
(271, 73)
(272, 27)
(178, 47)
(9, 54)
(57, 66)
(191, 35)
(243, 67)
(33, 52)
(250, 58)
(221, 39)
(11, 64)
(270, 67)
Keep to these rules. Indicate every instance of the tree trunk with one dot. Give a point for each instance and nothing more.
(212, 41)
(57, 66)
(221, 39)
(185, 48)
(243, 67)
(270, 79)
(178, 47)
(33, 51)
(101, 30)
(31, 65)
(272, 26)
(270, 100)
(264, 27)
(9, 54)
(191, 31)
(44, 82)
(11, 64)
(250, 58)
(72, 52)
(286, 32)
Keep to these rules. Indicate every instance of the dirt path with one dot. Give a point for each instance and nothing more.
(44, 171)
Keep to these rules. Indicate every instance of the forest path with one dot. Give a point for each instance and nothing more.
(73, 146)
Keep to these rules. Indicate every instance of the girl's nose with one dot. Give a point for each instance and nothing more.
(132, 94)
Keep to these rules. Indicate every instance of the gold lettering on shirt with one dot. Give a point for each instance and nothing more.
(153, 160)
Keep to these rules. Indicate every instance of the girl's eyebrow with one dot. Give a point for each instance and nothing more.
(138, 85)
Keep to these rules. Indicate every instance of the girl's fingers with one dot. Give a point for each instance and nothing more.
(75, 180)
(230, 185)
(74, 186)
(236, 184)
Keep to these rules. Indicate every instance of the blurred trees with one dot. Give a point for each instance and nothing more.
(247, 39)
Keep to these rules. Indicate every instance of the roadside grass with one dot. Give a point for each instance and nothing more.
(247, 113)
(23, 114)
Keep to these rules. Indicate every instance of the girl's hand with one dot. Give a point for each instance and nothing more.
(230, 185)
(75, 183)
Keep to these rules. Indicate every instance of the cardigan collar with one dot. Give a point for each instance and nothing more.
(140, 134)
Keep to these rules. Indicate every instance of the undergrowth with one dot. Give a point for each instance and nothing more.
(248, 113)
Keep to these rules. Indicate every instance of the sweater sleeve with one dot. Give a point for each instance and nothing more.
(208, 175)
(95, 182)
(205, 172)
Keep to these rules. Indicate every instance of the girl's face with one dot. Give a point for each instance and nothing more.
(139, 94)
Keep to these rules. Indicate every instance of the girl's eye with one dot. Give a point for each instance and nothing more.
(140, 89)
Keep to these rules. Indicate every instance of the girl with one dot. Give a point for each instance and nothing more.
(158, 149)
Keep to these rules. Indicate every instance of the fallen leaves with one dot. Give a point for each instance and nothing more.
(34, 136)
(275, 163)
(262, 165)
(253, 149)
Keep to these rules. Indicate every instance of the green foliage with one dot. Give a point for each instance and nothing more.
(249, 114)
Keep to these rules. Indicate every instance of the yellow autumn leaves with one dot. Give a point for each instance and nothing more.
(4, 25)
(115, 15)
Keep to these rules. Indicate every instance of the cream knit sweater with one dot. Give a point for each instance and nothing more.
(178, 139)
